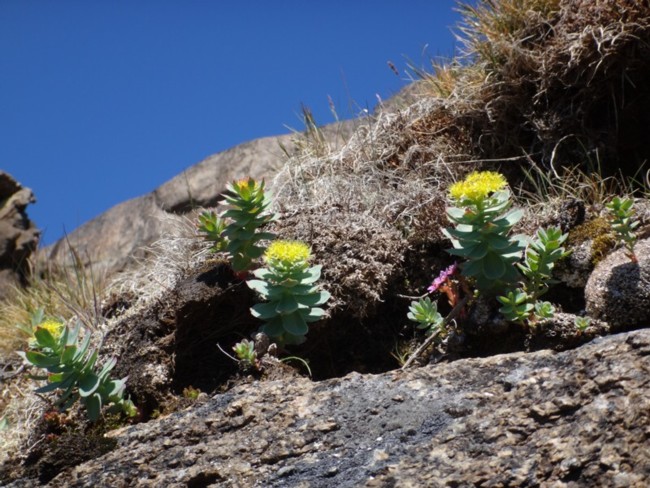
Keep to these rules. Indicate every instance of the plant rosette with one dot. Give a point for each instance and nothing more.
(288, 286)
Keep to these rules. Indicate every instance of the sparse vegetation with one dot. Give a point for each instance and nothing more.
(548, 99)
(425, 313)
(246, 354)
(582, 324)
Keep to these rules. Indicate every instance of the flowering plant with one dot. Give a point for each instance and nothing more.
(480, 235)
(71, 367)
(247, 213)
(288, 285)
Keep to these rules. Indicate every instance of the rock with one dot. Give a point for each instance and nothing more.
(18, 235)
(618, 290)
(115, 238)
(576, 418)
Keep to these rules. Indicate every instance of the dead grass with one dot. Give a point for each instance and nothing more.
(22, 408)
(60, 291)
(169, 260)
(562, 70)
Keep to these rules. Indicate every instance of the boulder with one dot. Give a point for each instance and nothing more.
(115, 238)
(618, 290)
(576, 418)
(18, 235)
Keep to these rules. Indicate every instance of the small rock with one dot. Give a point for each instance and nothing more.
(618, 291)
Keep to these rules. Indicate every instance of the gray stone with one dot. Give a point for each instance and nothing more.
(576, 418)
(18, 235)
(618, 290)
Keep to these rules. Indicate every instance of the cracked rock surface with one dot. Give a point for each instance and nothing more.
(575, 418)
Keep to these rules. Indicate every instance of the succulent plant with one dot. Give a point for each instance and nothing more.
(72, 370)
(211, 227)
(544, 310)
(246, 354)
(249, 210)
(582, 324)
(481, 231)
(537, 270)
(624, 223)
(288, 286)
(539, 260)
(516, 306)
(425, 313)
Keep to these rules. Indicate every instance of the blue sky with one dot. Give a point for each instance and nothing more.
(102, 101)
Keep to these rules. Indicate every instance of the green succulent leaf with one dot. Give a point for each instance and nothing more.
(295, 324)
(68, 353)
(261, 287)
(313, 299)
(314, 315)
(494, 266)
(264, 311)
(93, 406)
(287, 305)
(88, 384)
(41, 360)
(45, 338)
(273, 327)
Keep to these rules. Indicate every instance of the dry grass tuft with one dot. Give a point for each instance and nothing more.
(565, 79)
(22, 409)
(62, 292)
(169, 260)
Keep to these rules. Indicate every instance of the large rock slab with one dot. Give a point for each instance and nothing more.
(18, 234)
(576, 418)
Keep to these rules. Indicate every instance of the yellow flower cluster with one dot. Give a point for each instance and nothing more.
(287, 253)
(243, 183)
(54, 327)
(477, 185)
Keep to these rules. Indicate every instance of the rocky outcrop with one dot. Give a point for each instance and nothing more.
(618, 290)
(576, 418)
(115, 238)
(18, 235)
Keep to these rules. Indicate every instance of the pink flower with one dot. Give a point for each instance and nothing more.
(444, 276)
